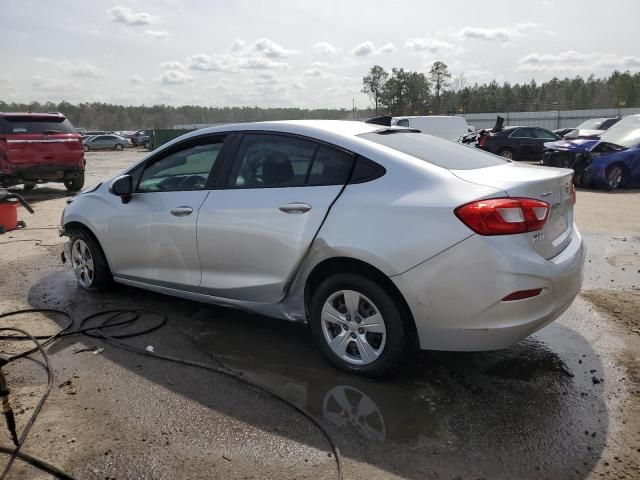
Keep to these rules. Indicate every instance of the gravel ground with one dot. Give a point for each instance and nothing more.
(561, 404)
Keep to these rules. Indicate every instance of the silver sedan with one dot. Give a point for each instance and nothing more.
(382, 238)
(106, 142)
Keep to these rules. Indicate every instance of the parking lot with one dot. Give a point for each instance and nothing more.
(564, 403)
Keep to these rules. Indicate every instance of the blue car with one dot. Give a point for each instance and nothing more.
(609, 162)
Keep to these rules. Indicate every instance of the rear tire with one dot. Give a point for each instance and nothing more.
(118, 147)
(372, 343)
(616, 176)
(506, 153)
(75, 184)
(88, 262)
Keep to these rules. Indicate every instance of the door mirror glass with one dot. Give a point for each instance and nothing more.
(122, 187)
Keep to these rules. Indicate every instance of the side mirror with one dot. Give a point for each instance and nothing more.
(122, 186)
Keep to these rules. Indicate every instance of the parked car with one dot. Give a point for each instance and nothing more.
(387, 238)
(40, 147)
(610, 162)
(140, 138)
(589, 128)
(106, 142)
(449, 127)
(515, 143)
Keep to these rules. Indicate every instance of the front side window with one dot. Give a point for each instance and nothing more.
(266, 160)
(186, 169)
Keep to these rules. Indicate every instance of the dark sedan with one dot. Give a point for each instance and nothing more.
(517, 143)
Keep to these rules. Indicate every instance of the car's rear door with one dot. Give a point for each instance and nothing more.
(152, 238)
(253, 233)
(523, 143)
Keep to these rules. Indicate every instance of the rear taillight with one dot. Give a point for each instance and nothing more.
(481, 140)
(504, 216)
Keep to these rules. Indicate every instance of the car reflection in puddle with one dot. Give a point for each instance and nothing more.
(496, 408)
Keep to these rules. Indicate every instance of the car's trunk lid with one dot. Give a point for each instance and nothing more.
(552, 185)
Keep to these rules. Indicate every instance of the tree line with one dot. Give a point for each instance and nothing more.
(399, 92)
(403, 92)
(106, 116)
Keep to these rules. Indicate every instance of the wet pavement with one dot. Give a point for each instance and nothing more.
(554, 406)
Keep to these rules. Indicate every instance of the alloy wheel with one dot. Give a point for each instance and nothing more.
(614, 177)
(353, 327)
(82, 261)
(506, 154)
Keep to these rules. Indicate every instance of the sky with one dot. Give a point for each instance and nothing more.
(296, 53)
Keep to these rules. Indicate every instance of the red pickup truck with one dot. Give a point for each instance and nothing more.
(38, 148)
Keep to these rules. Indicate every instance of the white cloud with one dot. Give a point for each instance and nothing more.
(500, 34)
(259, 63)
(237, 45)
(49, 84)
(173, 65)
(324, 48)
(74, 68)
(136, 80)
(429, 44)
(314, 72)
(367, 48)
(271, 49)
(207, 63)
(4, 79)
(125, 15)
(387, 48)
(174, 77)
(267, 76)
(364, 49)
(155, 34)
(573, 61)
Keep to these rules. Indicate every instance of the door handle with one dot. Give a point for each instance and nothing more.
(181, 211)
(295, 208)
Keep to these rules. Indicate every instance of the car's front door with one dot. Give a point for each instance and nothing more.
(524, 143)
(155, 232)
(253, 234)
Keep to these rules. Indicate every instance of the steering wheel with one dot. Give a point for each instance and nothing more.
(194, 182)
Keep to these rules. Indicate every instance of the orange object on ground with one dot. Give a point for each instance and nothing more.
(8, 216)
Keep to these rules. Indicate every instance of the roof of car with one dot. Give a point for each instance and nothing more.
(345, 128)
(31, 114)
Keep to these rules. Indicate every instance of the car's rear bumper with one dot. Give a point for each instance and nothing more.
(455, 297)
(41, 173)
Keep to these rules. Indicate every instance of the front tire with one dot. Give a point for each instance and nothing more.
(118, 147)
(358, 325)
(75, 184)
(88, 261)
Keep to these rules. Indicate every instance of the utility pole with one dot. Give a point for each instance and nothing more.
(353, 107)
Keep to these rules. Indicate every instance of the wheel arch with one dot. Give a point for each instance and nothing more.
(77, 225)
(334, 265)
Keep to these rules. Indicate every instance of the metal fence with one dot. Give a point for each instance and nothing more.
(551, 120)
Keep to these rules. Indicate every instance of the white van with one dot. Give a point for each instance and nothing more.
(449, 127)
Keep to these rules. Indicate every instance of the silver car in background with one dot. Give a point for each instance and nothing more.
(382, 238)
(106, 142)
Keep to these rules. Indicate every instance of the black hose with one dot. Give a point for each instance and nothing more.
(97, 331)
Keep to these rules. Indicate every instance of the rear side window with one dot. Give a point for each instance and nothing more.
(437, 151)
(403, 123)
(35, 125)
(330, 167)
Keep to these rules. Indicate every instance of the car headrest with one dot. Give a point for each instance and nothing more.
(277, 169)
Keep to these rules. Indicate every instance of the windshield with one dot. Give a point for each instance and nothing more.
(592, 124)
(440, 152)
(35, 125)
(625, 133)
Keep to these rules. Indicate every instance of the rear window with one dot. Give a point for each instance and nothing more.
(440, 152)
(35, 125)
